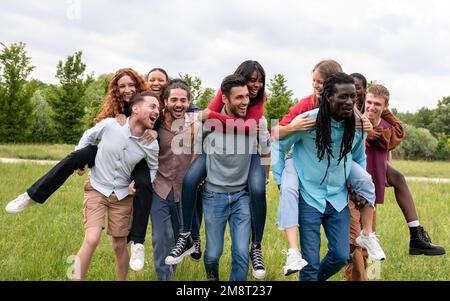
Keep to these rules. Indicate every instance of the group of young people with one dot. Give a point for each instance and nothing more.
(160, 158)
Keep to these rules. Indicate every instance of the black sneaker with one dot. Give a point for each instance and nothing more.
(197, 254)
(258, 267)
(420, 243)
(184, 246)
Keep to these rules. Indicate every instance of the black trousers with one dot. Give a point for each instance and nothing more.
(43, 188)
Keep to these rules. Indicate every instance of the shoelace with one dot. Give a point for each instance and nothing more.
(257, 258)
(425, 235)
(197, 245)
(179, 247)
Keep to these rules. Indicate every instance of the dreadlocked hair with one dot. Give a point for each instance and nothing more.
(113, 104)
(324, 144)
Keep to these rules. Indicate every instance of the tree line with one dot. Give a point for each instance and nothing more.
(36, 112)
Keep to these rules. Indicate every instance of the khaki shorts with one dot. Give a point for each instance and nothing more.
(96, 205)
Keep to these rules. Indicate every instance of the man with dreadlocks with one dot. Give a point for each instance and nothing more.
(322, 159)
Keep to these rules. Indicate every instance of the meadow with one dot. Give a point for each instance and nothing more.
(38, 243)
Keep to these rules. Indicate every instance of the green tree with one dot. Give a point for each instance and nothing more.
(423, 118)
(93, 98)
(15, 93)
(205, 98)
(199, 95)
(67, 99)
(279, 100)
(443, 147)
(419, 144)
(441, 121)
(42, 129)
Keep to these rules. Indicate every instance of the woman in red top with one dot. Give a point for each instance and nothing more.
(255, 75)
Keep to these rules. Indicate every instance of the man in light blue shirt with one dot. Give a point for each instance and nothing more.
(322, 159)
(108, 188)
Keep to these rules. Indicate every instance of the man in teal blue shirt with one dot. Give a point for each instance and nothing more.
(322, 158)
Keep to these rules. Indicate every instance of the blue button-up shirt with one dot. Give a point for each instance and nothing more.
(117, 155)
(311, 171)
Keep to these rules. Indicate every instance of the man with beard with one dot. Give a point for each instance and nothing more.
(323, 193)
(225, 196)
(109, 191)
(176, 140)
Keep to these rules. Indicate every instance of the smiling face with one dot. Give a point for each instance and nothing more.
(342, 101)
(147, 111)
(255, 84)
(374, 107)
(238, 101)
(317, 83)
(177, 103)
(127, 87)
(360, 91)
(157, 81)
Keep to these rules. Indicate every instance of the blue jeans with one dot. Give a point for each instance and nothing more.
(219, 208)
(337, 229)
(288, 208)
(359, 178)
(192, 203)
(165, 228)
(191, 199)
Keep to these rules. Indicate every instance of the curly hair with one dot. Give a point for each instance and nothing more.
(113, 104)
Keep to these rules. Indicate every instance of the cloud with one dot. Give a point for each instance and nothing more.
(402, 44)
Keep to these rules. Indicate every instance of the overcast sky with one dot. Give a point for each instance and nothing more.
(404, 45)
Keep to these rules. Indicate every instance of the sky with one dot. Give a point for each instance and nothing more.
(403, 44)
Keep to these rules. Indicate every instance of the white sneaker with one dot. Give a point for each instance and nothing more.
(20, 203)
(294, 262)
(137, 256)
(372, 245)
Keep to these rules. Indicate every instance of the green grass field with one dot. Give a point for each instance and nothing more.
(59, 151)
(35, 151)
(37, 244)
